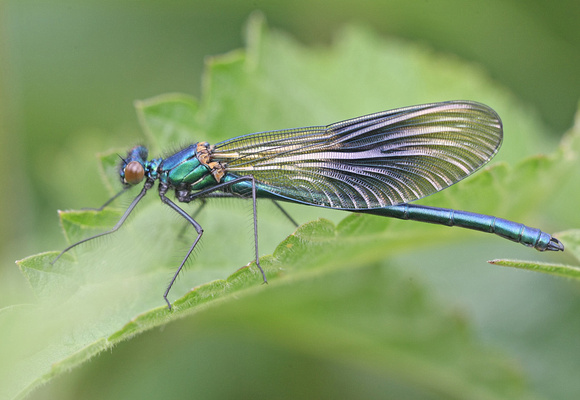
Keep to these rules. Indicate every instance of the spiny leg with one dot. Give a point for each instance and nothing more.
(256, 228)
(203, 193)
(194, 215)
(226, 195)
(221, 186)
(124, 217)
(285, 213)
(199, 231)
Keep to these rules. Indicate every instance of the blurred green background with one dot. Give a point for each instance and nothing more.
(70, 71)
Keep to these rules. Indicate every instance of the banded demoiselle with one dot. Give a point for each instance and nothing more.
(374, 164)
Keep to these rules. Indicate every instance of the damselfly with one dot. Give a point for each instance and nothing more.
(374, 164)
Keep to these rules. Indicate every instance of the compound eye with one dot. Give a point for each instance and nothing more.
(134, 173)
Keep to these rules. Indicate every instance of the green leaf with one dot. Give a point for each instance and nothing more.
(566, 271)
(167, 119)
(331, 295)
(369, 319)
(572, 240)
(109, 169)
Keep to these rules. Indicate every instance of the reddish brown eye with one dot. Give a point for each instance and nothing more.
(134, 173)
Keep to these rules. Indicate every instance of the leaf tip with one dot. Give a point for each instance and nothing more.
(255, 28)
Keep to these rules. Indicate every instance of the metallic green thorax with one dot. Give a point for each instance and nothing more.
(185, 170)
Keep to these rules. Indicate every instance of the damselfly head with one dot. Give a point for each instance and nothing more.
(132, 168)
(134, 173)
